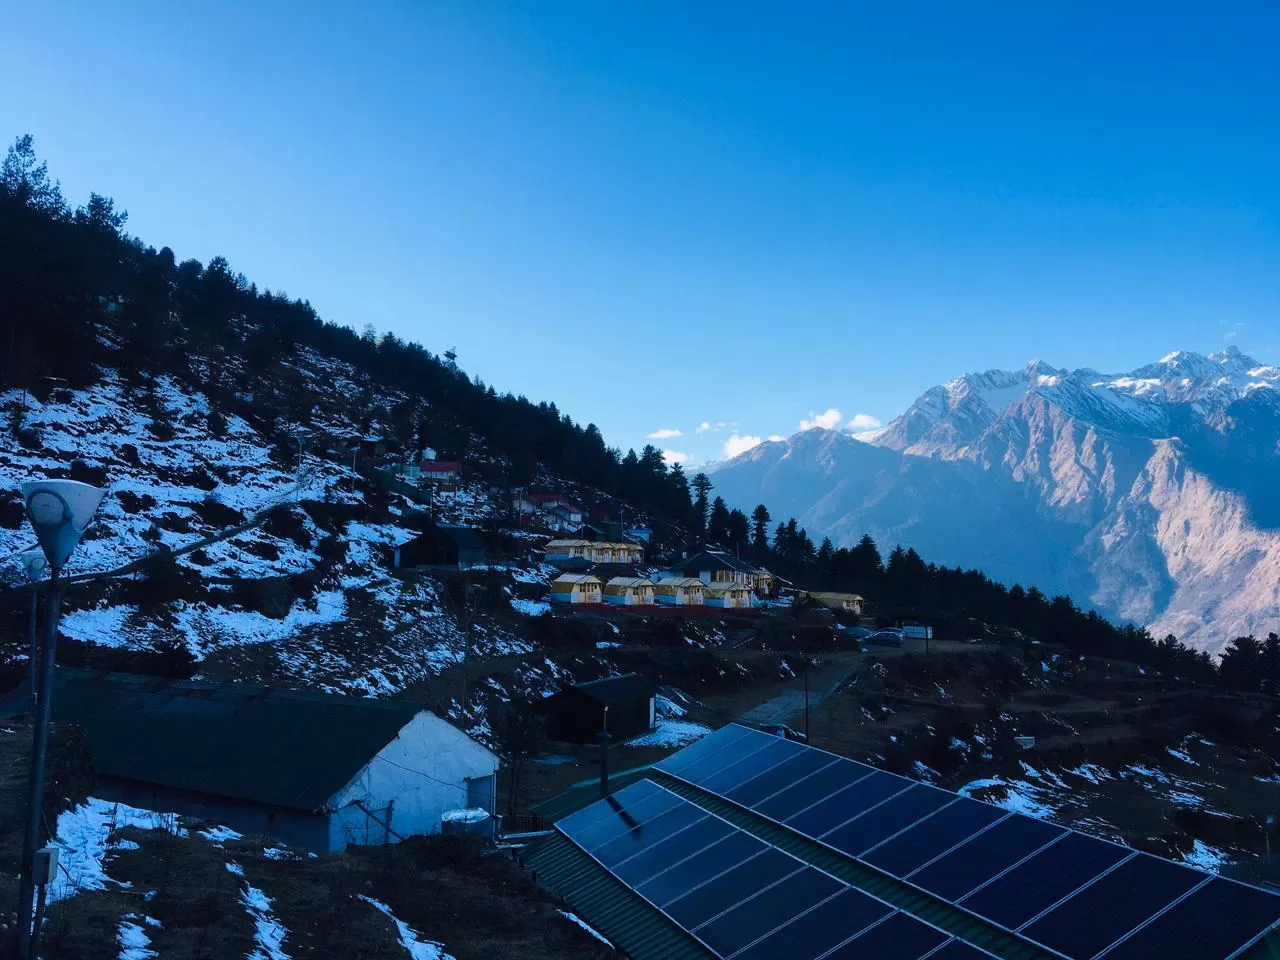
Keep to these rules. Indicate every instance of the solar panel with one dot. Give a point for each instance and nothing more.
(932, 836)
(1215, 921)
(646, 834)
(699, 750)
(729, 755)
(1070, 894)
(1101, 913)
(1037, 884)
(766, 911)
(803, 794)
(899, 936)
(610, 818)
(871, 827)
(675, 848)
(985, 856)
(792, 770)
(827, 925)
(730, 888)
(817, 818)
(736, 774)
(691, 872)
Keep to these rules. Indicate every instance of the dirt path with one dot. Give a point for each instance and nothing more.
(788, 703)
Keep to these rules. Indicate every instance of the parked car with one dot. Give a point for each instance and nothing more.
(885, 638)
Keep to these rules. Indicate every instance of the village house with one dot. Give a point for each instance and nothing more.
(621, 706)
(845, 602)
(629, 592)
(443, 545)
(716, 566)
(577, 588)
(728, 595)
(678, 592)
(316, 770)
(441, 471)
(564, 516)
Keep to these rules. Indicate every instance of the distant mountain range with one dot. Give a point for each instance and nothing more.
(1153, 495)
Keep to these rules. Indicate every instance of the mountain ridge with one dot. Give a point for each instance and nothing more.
(1148, 493)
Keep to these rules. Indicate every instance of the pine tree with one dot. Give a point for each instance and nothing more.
(718, 523)
(760, 531)
(701, 504)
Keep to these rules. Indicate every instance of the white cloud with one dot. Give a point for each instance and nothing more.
(672, 457)
(739, 444)
(775, 437)
(864, 421)
(828, 421)
(704, 426)
(1229, 335)
(666, 433)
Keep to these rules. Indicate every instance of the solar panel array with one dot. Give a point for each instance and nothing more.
(1072, 894)
(740, 897)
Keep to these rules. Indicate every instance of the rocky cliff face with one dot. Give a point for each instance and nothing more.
(1153, 495)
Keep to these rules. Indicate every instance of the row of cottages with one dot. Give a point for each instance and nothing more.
(843, 602)
(319, 771)
(594, 551)
(716, 566)
(640, 592)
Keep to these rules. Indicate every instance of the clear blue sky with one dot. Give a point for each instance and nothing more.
(660, 213)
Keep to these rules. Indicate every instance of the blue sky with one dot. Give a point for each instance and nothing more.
(662, 215)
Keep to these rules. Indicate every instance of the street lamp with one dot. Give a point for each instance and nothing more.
(34, 563)
(59, 511)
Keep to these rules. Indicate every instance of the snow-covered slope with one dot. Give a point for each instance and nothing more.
(280, 564)
(1152, 494)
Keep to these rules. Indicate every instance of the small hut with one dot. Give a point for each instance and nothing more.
(621, 706)
(678, 592)
(629, 592)
(576, 588)
(728, 596)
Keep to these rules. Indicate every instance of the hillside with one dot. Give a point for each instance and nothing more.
(1149, 495)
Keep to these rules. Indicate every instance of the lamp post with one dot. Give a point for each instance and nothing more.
(34, 563)
(59, 511)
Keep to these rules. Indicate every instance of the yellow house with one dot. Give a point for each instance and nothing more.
(629, 592)
(678, 592)
(731, 595)
(577, 588)
(846, 602)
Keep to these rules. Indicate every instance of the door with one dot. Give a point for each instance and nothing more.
(480, 793)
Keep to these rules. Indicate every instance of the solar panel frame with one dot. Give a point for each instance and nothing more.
(754, 918)
(786, 774)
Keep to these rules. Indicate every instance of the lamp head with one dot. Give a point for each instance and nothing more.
(34, 563)
(60, 511)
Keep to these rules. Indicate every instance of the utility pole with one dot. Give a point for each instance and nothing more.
(59, 511)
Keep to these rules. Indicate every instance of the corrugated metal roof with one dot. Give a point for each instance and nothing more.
(609, 905)
(572, 578)
(624, 582)
(285, 748)
(732, 586)
(686, 583)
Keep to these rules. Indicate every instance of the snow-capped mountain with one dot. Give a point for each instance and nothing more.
(1153, 495)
